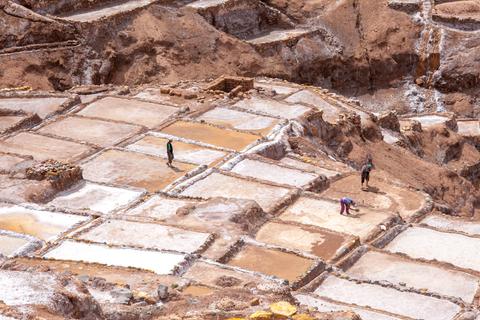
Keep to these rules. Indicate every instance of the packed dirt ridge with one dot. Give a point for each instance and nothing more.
(239, 159)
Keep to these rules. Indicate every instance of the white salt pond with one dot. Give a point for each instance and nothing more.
(146, 235)
(444, 223)
(273, 173)
(422, 243)
(407, 304)
(43, 225)
(378, 266)
(325, 306)
(95, 197)
(158, 262)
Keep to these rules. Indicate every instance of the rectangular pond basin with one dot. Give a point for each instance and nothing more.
(378, 266)
(127, 110)
(278, 36)
(406, 304)
(205, 133)
(326, 214)
(133, 169)
(99, 132)
(106, 11)
(7, 162)
(422, 243)
(43, 107)
(220, 185)
(430, 120)
(43, 148)
(323, 244)
(216, 276)
(444, 223)
(239, 120)
(9, 245)
(158, 207)
(273, 173)
(325, 306)
(272, 107)
(7, 122)
(95, 197)
(186, 152)
(308, 167)
(158, 262)
(279, 88)
(43, 225)
(330, 112)
(146, 236)
(283, 265)
(469, 128)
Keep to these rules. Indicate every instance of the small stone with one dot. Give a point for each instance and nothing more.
(255, 302)
(162, 292)
(122, 295)
(283, 308)
(84, 278)
(261, 315)
(302, 316)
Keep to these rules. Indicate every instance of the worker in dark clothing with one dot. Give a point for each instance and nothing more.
(170, 153)
(345, 205)
(367, 167)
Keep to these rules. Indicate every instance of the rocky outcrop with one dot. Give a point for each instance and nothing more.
(57, 296)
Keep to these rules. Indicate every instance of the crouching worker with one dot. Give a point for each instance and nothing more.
(346, 204)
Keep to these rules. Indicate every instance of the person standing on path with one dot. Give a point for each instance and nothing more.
(367, 167)
(345, 205)
(170, 152)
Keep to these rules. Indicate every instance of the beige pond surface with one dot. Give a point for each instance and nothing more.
(326, 214)
(239, 120)
(469, 128)
(283, 265)
(408, 304)
(183, 151)
(128, 110)
(322, 305)
(158, 207)
(211, 274)
(423, 243)
(277, 87)
(43, 225)
(220, 185)
(330, 112)
(158, 262)
(145, 235)
(298, 164)
(8, 121)
(197, 291)
(96, 197)
(228, 139)
(9, 244)
(321, 243)
(278, 35)
(273, 173)
(134, 169)
(99, 132)
(7, 162)
(41, 106)
(379, 266)
(273, 107)
(43, 148)
(444, 223)
(106, 11)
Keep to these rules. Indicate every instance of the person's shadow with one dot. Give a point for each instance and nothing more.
(374, 190)
(175, 168)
